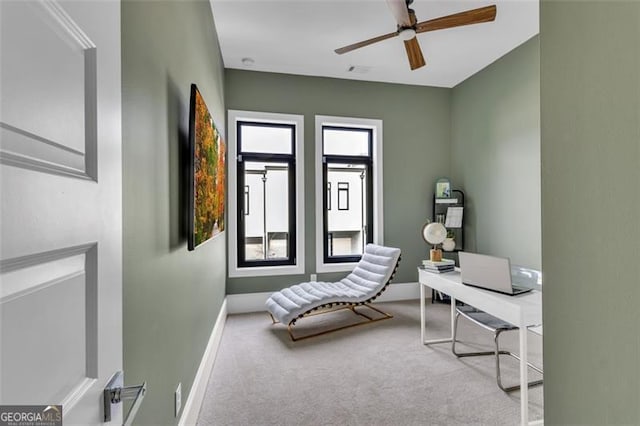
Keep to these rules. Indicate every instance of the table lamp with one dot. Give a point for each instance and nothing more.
(434, 233)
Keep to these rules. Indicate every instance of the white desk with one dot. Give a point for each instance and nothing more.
(523, 311)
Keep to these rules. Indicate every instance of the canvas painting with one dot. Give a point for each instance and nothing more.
(209, 175)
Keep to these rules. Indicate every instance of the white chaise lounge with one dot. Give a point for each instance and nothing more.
(367, 281)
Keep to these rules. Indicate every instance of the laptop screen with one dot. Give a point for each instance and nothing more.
(490, 272)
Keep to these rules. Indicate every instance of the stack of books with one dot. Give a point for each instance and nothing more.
(445, 265)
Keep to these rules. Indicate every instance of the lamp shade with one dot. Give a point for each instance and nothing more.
(434, 233)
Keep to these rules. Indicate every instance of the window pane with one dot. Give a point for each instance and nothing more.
(266, 139)
(343, 195)
(268, 218)
(346, 225)
(345, 141)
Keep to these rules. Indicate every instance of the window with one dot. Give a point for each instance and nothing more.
(265, 175)
(348, 157)
(343, 196)
(266, 161)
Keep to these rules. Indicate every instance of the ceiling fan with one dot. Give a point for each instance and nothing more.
(408, 27)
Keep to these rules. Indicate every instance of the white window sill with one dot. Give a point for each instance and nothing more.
(265, 271)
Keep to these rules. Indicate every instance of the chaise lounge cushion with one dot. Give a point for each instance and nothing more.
(368, 278)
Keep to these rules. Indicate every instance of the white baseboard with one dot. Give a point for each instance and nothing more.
(254, 302)
(191, 408)
(400, 291)
(248, 302)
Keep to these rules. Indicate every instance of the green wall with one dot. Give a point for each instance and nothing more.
(590, 150)
(171, 296)
(495, 156)
(416, 134)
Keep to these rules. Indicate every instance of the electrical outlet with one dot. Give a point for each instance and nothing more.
(178, 398)
(314, 277)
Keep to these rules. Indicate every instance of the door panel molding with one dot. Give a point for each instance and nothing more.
(21, 262)
(53, 145)
(77, 393)
(33, 281)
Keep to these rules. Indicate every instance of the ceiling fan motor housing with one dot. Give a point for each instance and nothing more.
(406, 33)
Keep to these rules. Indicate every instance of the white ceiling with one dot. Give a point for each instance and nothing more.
(299, 36)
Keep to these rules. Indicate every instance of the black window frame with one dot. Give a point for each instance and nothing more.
(367, 161)
(246, 200)
(290, 160)
(328, 195)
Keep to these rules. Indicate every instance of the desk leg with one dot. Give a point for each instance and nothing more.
(423, 318)
(453, 316)
(422, 314)
(524, 380)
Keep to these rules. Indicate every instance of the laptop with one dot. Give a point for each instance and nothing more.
(489, 272)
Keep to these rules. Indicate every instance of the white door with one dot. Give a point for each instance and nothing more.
(61, 223)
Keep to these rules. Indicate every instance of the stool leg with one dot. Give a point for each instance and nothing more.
(496, 335)
(453, 343)
(495, 352)
(498, 378)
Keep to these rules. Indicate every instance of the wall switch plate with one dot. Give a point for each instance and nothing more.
(178, 399)
(314, 277)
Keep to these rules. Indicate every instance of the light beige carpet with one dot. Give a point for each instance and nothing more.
(376, 374)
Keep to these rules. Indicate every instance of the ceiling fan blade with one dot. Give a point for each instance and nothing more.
(400, 11)
(474, 16)
(364, 43)
(414, 53)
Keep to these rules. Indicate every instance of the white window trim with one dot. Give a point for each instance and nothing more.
(378, 217)
(298, 121)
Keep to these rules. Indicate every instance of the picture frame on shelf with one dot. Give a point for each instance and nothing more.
(443, 188)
